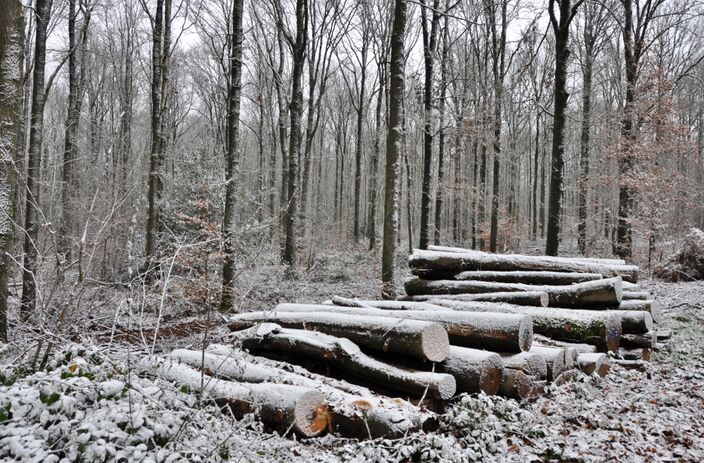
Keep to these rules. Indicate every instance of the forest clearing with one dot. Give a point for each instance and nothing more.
(351, 230)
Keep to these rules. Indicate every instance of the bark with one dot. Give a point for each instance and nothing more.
(474, 370)
(477, 260)
(646, 340)
(30, 266)
(590, 363)
(652, 307)
(371, 220)
(393, 144)
(636, 296)
(517, 384)
(419, 339)
(11, 71)
(429, 46)
(528, 362)
(585, 130)
(358, 141)
(597, 327)
(161, 49)
(440, 195)
(634, 321)
(561, 29)
(232, 156)
(76, 78)
(526, 277)
(281, 406)
(344, 354)
(491, 331)
(595, 294)
(351, 415)
(296, 108)
(532, 298)
(556, 359)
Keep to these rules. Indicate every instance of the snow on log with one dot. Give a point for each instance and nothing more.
(590, 363)
(282, 406)
(648, 340)
(392, 305)
(579, 348)
(350, 415)
(526, 277)
(596, 260)
(477, 260)
(490, 331)
(602, 293)
(347, 356)
(556, 359)
(528, 362)
(420, 339)
(628, 286)
(634, 321)
(534, 298)
(600, 328)
(635, 295)
(519, 385)
(474, 370)
(650, 306)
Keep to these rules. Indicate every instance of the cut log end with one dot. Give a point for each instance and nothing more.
(446, 387)
(525, 334)
(311, 414)
(490, 379)
(613, 333)
(435, 343)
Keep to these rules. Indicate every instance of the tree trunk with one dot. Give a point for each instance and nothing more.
(526, 277)
(393, 140)
(344, 354)
(585, 136)
(531, 298)
(597, 327)
(279, 405)
(476, 260)
(349, 412)
(474, 370)
(429, 46)
(528, 362)
(562, 54)
(440, 195)
(419, 339)
(11, 71)
(358, 146)
(491, 331)
(294, 148)
(30, 266)
(232, 156)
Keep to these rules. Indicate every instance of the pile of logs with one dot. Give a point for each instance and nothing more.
(471, 322)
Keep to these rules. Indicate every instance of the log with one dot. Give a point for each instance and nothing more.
(648, 340)
(347, 356)
(579, 348)
(392, 305)
(534, 298)
(635, 353)
(650, 306)
(561, 258)
(664, 335)
(489, 331)
(474, 370)
(630, 364)
(526, 277)
(477, 260)
(555, 358)
(590, 363)
(634, 322)
(350, 415)
(519, 385)
(632, 287)
(528, 362)
(635, 295)
(599, 328)
(420, 339)
(602, 293)
(281, 406)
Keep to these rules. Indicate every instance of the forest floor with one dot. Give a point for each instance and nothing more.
(92, 401)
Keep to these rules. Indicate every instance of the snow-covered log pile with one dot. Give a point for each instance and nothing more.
(688, 263)
(585, 301)
(472, 322)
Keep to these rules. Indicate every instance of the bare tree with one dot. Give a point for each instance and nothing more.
(11, 70)
(393, 142)
(232, 156)
(561, 29)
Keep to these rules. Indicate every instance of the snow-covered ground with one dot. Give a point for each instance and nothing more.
(92, 401)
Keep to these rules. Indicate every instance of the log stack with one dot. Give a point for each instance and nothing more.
(471, 322)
